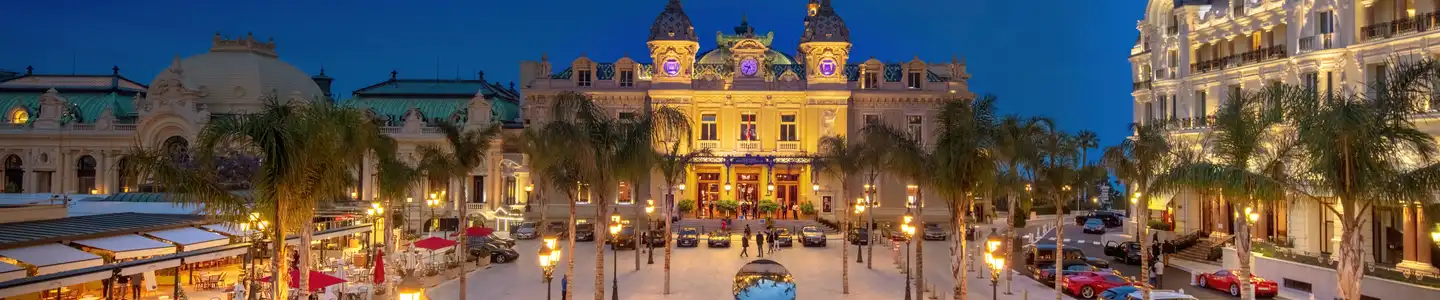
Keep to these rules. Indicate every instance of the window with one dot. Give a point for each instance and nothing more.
(627, 115)
(625, 197)
(582, 78)
(707, 127)
(872, 119)
(1235, 91)
(1149, 112)
(1163, 111)
(1311, 82)
(914, 80)
(1325, 22)
(747, 127)
(914, 125)
(20, 116)
(627, 78)
(1200, 109)
(1174, 106)
(582, 194)
(872, 80)
(787, 128)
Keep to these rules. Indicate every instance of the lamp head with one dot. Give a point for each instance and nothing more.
(727, 187)
(550, 242)
(615, 217)
(369, 211)
(1027, 187)
(649, 209)
(770, 187)
(815, 187)
(682, 187)
(615, 229)
(409, 199)
(354, 195)
(433, 195)
(907, 217)
(544, 258)
(530, 188)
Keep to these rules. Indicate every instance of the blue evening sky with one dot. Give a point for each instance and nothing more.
(1059, 58)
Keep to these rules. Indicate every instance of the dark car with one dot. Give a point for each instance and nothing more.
(1094, 226)
(782, 236)
(718, 239)
(689, 237)
(558, 229)
(1110, 218)
(507, 243)
(625, 239)
(1045, 253)
(655, 238)
(858, 236)
(525, 231)
(812, 236)
(934, 232)
(1045, 272)
(495, 252)
(1127, 252)
(585, 232)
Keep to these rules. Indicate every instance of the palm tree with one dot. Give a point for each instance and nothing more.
(467, 150)
(1016, 152)
(964, 137)
(842, 159)
(672, 165)
(1135, 161)
(873, 161)
(530, 143)
(906, 156)
(1362, 151)
(395, 179)
(305, 151)
(1248, 150)
(1086, 140)
(562, 170)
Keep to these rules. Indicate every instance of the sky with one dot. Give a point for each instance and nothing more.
(1059, 58)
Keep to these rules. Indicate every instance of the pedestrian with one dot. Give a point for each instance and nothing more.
(1159, 272)
(564, 288)
(135, 281)
(760, 243)
(774, 246)
(745, 245)
(747, 229)
(795, 211)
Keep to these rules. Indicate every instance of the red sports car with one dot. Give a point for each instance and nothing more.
(1225, 280)
(1088, 284)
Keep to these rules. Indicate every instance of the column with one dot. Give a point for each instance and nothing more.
(1422, 239)
(1409, 228)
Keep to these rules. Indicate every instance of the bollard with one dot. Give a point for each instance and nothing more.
(1194, 280)
(1025, 295)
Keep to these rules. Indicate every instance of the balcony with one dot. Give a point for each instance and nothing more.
(1143, 85)
(787, 146)
(708, 145)
(748, 145)
(1259, 55)
(1317, 42)
(1383, 30)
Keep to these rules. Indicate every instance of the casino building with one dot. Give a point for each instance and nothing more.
(761, 108)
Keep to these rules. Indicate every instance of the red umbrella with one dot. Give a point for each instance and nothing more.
(434, 243)
(318, 280)
(479, 231)
(379, 266)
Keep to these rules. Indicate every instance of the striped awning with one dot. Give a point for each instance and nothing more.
(53, 258)
(191, 238)
(128, 246)
(10, 272)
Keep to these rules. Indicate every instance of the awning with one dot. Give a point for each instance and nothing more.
(226, 229)
(10, 272)
(191, 238)
(129, 246)
(295, 240)
(53, 258)
(38, 283)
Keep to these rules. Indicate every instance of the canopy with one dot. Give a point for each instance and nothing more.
(53, 258)
(318, 280)
(191, 238)
(10, 272)
(479, 231)
(226, 229)
(129, 246)
(433, 243)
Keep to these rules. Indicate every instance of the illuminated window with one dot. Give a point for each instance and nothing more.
(747, 127)
(914, 125)
(626, 197)
(912, 195)
(707, 127)
(582, 194)
(583, 78)
(20, 116)
(787, 128)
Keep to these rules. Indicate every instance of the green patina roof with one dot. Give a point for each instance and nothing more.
(155, 197)
(392, 110)
(87, 106)
(437, 99)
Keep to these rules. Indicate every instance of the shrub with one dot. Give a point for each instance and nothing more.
(768, 206)
(686, 206)
(807, 208)
(727, 206)
(1159, 225)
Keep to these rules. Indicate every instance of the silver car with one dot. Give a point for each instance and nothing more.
(527, 231)
(934, 232)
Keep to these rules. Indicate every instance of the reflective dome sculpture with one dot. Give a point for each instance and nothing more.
(764, 280)
(672, 25)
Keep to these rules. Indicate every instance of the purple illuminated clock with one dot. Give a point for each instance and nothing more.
(749, 66)
(827, 67)
(671, 67)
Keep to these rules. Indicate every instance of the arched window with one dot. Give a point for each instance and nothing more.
(177, 147)
(14, 174)
(85, 175)
(19, 116)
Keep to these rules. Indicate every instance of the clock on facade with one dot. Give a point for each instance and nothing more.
(749, 66)
(671, 67)
(827, 67)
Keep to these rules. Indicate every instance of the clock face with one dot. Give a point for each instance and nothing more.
(827, 67)
(671, 67)
(749, 66)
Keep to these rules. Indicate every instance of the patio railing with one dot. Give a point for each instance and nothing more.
(1329, 261)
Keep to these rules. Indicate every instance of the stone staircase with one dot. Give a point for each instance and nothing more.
(1201, 250)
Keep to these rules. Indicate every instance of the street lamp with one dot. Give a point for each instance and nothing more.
(1253, 216)
(815, 187)
(650, 215)
(870, 222)
(548, 257)
(432, 203)
(614, 254)
(859, 208)
(909, 231)
(410, 289)
(996, 263)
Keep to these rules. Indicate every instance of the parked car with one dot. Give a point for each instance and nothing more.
(1126, 252)
(1045, 253)
(858, 236)
(933, 232)
(1045, 272)
(558, 229)
(1089, 284)
(689, 237)
(1094, 226)
(718, 238)
(525, 231)
(507, 243)
(656, 238)
(1118, 293)
(1227, 281)
(585, 232)
(495, 252)
(1159, 295)
(625, 239)
(894, 234)
(782, 236)
(1110, 218)
(812, 236)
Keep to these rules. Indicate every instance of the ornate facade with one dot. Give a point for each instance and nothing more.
(760, 110)
(1193, 55)
(65, 134)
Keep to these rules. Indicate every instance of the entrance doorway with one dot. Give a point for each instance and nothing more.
(747, 191)
(706, 194)
(787, 193)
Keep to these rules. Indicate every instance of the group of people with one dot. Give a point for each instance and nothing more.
(747, 210)
(761, 237)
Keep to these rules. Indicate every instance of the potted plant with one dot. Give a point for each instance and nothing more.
(768, 207)
(685, 206)
(727, 206)
(807, 208)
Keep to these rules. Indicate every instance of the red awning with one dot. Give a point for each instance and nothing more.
(433, 243)
(479, 231)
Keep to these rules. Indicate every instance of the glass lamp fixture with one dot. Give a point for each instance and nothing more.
(530, 187)
(682, 187)
(354, 195)
(727, 187)
(815, 187)
(770, 187)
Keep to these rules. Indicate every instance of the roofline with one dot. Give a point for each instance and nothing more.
(202, 221)
(121, 77)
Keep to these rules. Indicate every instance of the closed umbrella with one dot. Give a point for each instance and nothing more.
(379, 270)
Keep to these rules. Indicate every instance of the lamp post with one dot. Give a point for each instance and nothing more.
(859, 208)
(870, 223)
(995, 262)
(256, 235)
(650, 216)
(433, 202)
(909, 231)
(614, 254)
(549, 255)
(410, 289)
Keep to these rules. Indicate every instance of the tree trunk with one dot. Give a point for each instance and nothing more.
(278, 258)
(307, 232)
(844, 249)
(870, 228)
(568, 283)
(1350, 270)
(602, 235)
(1060, 245)
(1242, 253)
(958, 245)
(669, 197)
(635, 204)
(920, 251)
(463, 227)
(1010, 233)
(1143, 234)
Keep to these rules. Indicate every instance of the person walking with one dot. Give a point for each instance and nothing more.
(747, 229)
(774, 245)
(760, 243)
(1159, 272)
(564, 288)
(745, 245)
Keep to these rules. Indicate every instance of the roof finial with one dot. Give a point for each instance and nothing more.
(392, 75)
(544, 57)
(322, 69)
(481, 76)
(29, 70)
(116, 70)
(953, 60)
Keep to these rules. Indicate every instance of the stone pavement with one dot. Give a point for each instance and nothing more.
(1198, 267)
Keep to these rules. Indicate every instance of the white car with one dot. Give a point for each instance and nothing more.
(1161, 295)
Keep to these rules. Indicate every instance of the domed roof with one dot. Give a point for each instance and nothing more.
(823, 25)
(236, 76)
(723, 42)
(720, 54)
(672, 24)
